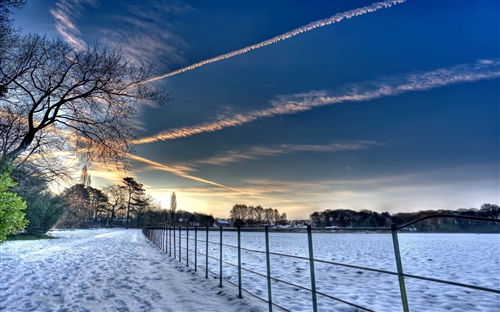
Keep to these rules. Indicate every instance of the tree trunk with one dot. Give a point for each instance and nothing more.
(23, 146)
(128, 210)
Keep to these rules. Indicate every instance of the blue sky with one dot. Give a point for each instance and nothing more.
(396, 109)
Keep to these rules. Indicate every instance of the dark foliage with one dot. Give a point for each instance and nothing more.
(43, 208)
(368, 218)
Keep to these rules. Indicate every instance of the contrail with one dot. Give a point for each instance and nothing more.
(324, 22)
(391, 86)
(181, 173)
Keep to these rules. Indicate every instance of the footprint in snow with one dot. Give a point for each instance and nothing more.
(121, 306)
(106, 293)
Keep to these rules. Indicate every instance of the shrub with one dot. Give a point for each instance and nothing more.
(11, 208)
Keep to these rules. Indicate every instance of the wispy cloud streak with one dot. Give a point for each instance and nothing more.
(254, 153)
(146, 33)
(324, 22)
(181, 173)
(371, 90)
(64, 13)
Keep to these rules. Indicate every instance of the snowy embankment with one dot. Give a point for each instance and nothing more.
(106, 270)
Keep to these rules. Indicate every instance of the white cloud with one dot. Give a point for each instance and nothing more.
(255, 152)
(357, 92)
(65, 14)
(146, 33)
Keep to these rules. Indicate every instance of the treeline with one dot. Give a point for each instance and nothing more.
(250, 216)
(125, 205)
(80, 206)
(368, 218)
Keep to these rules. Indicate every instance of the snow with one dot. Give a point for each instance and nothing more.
(120, 270)
(463, 258)
(106, 270)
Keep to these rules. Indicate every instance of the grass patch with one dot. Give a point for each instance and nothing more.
(29, 237)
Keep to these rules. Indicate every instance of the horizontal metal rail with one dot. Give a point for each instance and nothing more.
(430, 279)
(345, 302)
(445, 216)
(232, 283)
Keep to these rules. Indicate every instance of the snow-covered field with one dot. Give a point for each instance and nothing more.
(120, 270)
(463, 258)
(106, 270)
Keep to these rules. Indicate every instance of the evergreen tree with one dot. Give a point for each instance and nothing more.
(173, 205)
(43, 212)
(133, 189)
(43, 208)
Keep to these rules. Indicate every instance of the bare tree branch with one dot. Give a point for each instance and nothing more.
(90, 96)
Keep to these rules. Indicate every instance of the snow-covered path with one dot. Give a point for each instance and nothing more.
(106, 270)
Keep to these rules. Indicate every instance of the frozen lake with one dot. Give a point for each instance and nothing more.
(463, 258)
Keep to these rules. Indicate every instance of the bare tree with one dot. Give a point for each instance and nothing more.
(98, 202)
(259, 214)
(7, 32)
(269, 215)
(239, 212)
(116, 200)
(75, 216)
(276, 216)
(283, 219)
(66, 99)
(6, 7)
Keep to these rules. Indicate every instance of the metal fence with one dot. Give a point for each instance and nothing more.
(169, 240)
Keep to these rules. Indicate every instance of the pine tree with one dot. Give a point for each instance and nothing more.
(133, 189)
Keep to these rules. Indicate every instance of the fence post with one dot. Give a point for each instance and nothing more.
(399, 266)
(187, 246)
(311, 268)
(268, 265)
(220, 260)
(206, 259)
(162, 233)
(165, 238)
(195, 248)
(239, 262)
(170, 241)
(175, 246)
(180, 243)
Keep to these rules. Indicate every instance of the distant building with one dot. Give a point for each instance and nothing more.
(284, 226)
(221, 223)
